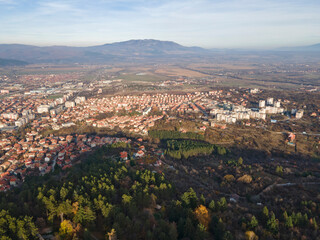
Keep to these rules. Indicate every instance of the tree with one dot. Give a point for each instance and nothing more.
(16, 228)
(202, 199)
(63, 193)
(253, 223)
(240, 161)
(221, 151)
(84, 215)
(201, 213)
(229, 178)
(190, 199)
(126, 199)
(66, 229)
(173, 234)
(222, 204)
(189, 229)
(64, 208)
(112, 235)
(200, 232)
(314, 223)
(273, 224)
(288, 222)
(279, 169)
(265, 214)
(250, 235)
(212, 205)
(285, 215)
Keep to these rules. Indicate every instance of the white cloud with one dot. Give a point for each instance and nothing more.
(208, 23)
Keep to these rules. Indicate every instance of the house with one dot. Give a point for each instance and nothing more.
(140, 153)
(13, 181)
(291, 137)
(124, 156)
(158, 163)
(66, 167)
(3, 183)
(142, 148)
(203, 128)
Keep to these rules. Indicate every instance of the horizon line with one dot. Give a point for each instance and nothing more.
(152, 39)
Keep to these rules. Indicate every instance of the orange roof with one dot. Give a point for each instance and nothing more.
(123, 154)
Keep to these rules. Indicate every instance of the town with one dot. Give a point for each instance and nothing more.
(236, 148)
(137, 114)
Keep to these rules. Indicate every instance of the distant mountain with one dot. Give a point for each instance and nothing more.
(11, 62)
(315, 48)
(142, 51)
(131, 50)
(147, 47)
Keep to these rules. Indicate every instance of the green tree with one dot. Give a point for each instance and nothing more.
(190, 199)
(189, 229)
(279, 169)
(212, 205)
(222, 204)
(66, 229)
(84, 215)
(314, 224)
(253, 223)
(288, 222)
(265, 214)
(63, 209)
(273, 224)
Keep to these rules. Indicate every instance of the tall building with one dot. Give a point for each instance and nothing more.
(262, 103)
(277, 104)
(299, 113)
(69, 104)
(43, 108)
(269, 101)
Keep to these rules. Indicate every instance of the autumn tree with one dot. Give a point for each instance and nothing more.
(201, 213)
(250, 235)
(66, 230)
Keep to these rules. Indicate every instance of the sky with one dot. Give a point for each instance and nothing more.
(262, 24)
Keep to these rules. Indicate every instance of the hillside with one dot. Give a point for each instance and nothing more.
(120, 51)
(11, 62)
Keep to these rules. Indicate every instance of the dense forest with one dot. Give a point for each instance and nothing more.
(186, 148)
(100, 196)
(165, 134)
(104, 198)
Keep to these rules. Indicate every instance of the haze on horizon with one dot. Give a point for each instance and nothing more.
(204, 23)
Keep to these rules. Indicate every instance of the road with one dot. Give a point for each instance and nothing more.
(272, 186)
(54, 163)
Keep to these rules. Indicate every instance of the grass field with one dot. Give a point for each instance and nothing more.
(55, 96)
(142, 78)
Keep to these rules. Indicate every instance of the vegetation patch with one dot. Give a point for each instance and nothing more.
(164, 134)
(187, 148)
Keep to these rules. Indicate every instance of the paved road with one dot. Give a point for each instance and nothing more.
(54, 163)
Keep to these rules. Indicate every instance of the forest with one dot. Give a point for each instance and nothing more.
(100, 196)
(103, 198)
(166, 134)
(186, 148)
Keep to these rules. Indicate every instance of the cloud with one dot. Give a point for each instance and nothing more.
(8, 2)
(208, 23)
(54, 7)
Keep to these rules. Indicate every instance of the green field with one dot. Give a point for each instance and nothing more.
(142, 78)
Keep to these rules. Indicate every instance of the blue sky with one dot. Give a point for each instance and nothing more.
(205, 23)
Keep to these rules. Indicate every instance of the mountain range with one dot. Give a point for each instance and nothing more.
(129, 51)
